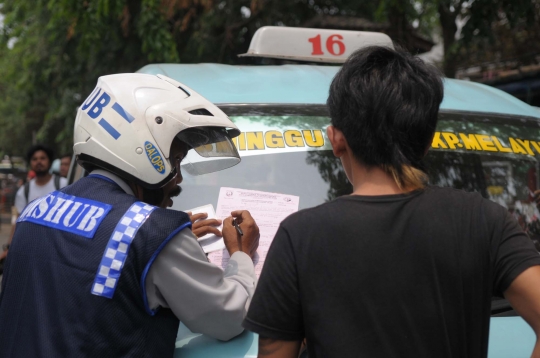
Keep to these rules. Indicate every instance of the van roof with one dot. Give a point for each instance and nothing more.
(308, 84)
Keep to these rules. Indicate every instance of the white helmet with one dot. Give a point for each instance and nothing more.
(129, 121)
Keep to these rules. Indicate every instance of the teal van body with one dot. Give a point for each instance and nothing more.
(308, 85)
(305, 84)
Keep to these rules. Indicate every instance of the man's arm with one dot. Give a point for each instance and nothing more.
(206, 299)
(20, 200)
(274, 348)
(276, 313)
(524, 296)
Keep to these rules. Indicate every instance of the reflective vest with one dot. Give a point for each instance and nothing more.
(74, 279)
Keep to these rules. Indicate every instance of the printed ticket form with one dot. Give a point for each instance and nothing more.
(268, 210)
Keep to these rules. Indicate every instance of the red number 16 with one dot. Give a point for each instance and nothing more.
(331, 41)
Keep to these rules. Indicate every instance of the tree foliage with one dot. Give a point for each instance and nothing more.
(477, 19)
(53, 51)
(508, 37)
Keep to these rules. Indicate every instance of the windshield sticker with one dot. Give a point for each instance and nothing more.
(279, 139)
(275, 141)
(285, 134)
(485, 143)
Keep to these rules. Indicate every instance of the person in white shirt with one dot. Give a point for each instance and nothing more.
(39, 158)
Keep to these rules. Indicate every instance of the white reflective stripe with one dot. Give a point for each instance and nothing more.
(115, 254)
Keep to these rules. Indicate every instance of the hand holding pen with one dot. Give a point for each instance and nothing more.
(241, 233)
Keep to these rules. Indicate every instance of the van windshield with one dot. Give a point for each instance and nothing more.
(290, 154)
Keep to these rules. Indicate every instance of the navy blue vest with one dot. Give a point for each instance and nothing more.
(66, 294)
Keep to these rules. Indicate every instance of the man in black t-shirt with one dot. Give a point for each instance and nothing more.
(398, 268)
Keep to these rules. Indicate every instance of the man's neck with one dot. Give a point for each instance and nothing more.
(370, 180)
(43, 180)
(373, 181)
(366, 180)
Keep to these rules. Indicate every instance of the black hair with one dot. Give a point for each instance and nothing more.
(65, 155)
(386, 103)
(37, 147)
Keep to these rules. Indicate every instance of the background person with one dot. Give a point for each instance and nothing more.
(39, 158)
(100, 268)
(39, 182)
(397, 268)
(65, 163)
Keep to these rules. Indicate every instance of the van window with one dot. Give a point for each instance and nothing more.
(496, 157)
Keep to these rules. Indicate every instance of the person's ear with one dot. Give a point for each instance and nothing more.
(337, 140)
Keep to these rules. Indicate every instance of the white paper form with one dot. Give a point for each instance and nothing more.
(268, 210)
(209, 242)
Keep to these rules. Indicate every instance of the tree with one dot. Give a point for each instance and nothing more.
(53, 51)
(477, 17)
(465, 24)
(516, 40)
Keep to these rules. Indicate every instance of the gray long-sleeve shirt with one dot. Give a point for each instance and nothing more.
(202, 296)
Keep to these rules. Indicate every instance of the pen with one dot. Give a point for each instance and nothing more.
(239, 231)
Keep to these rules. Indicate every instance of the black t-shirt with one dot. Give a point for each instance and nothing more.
(390, 276)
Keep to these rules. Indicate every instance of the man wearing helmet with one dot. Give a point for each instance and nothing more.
(100, 268)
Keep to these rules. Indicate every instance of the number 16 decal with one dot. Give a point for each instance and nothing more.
(331, 43)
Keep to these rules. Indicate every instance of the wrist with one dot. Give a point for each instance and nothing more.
(232, 250)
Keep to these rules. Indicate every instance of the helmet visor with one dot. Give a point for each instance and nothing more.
(212, 151)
